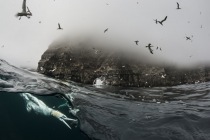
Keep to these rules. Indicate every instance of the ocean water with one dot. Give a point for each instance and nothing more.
(103, 112)
(18, 124)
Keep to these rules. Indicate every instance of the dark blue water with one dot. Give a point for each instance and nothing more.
(18, 124)
(105, 113)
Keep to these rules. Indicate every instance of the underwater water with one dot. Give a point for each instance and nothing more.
(19, 124)
(103, 112)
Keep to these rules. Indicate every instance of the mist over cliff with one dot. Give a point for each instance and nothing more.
(119, 44)
(84, 60)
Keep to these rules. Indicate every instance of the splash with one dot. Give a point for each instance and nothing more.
(99, 81)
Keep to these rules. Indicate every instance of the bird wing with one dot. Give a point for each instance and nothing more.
(24, 6)
(177, 5)
(151, 51)
(28, 10)
(164, 19)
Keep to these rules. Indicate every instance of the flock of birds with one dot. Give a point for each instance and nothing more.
(27, 13)
(149, 46)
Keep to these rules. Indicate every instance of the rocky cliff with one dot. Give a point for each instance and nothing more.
(84, 63)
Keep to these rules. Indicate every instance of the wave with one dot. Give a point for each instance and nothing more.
(18, 80)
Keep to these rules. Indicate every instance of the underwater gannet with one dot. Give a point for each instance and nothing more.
(39, 107)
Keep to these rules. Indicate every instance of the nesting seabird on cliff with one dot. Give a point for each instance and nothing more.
(24, 12)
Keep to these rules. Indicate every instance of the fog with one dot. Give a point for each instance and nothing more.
(22, 42)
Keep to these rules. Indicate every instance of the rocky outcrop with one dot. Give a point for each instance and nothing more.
(84, 63)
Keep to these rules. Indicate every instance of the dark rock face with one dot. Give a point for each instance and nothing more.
(83, 64)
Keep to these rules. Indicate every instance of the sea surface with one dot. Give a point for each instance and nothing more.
(103, 112)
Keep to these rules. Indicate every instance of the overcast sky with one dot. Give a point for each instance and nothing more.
(22, 42)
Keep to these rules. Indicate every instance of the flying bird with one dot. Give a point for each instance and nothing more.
(188, 38)
(59, 27)
(178, 6)
(24, 12)
(137, 42)
(161, 22)
(149, 47)
(106, 30)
